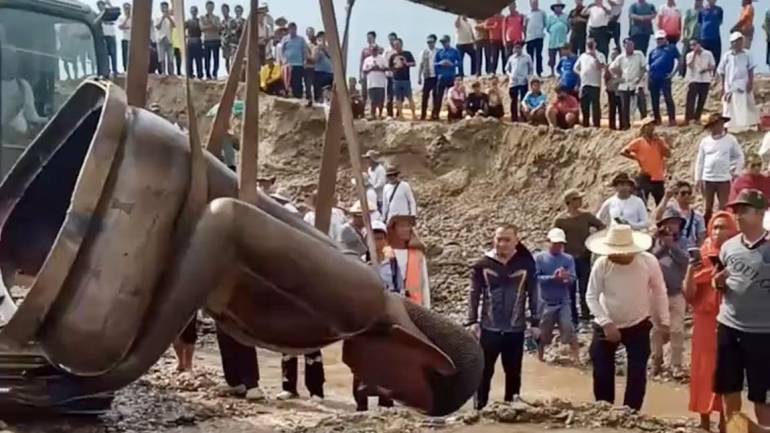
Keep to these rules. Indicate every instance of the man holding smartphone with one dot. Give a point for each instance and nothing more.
(743, 336)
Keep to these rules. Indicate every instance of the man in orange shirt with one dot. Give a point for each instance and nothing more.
(513, 30)
(563, 111)
(495, 27)
(650, 151)
(745, 24)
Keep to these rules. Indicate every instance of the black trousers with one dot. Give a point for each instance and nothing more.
(389, 95)
(697, 94)
(647, 188)
(517, 94)
(510, 347)
(361, 395)
(239, 362)
(211, 57)
(578, 42)
(112, 51)
(308, 79)
(297, 77)
(178, 61)
(715, 47)
(482, 55)
(590, 105)
(441, 87)
(124, 53)
(195, 57)
(321, 80)
(636, 340)
(429, 85)
(470, 50)
(625, 106)
(642, 43)
(535, 51)
(613, 103)
(583, 271)
(314, 374)
(662, 87)
(496, 54)
(614, 29)
(602, 37)
(154, 63)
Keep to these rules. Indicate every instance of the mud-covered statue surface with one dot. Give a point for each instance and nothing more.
(93, 210)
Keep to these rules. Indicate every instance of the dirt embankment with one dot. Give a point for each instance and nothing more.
(467, 176)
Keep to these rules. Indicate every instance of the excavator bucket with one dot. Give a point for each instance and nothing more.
(479, 9)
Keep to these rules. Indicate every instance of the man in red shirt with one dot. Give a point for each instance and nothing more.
(752, 178)
(513, 30)
(563, 111)
(495, 27)
(650, 151)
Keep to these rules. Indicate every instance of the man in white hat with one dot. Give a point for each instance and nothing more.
(626, 295)
(624, 206)
(376, 173)
(397, 196)
(352, 234)
(556, 275)
(737, 72)
(663, 64)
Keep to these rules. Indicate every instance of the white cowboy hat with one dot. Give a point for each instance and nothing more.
(618, 239)
(356, 208)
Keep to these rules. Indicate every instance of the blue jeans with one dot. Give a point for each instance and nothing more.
(658, 86)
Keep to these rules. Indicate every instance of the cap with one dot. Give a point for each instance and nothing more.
(445, 38)
(750, 197)
(557, 236)
(372, 154)
(379, 226)
(623, 178)
(571, 194)
(671, 214)
(714, 118)
(647, 121)
(734, 36)
(661, 34)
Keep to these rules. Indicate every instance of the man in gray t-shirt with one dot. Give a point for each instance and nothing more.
(743, 339)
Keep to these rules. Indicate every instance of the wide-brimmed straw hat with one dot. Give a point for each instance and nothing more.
(622, 178)
(714, 118)
(357, 208)
(392, 169)
(618, 239)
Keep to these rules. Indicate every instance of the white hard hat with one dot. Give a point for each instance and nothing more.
(380, 226)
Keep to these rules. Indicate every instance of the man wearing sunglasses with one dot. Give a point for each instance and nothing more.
(752, 178)
(694, 231)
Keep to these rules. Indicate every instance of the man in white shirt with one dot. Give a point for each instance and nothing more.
(720, 159)
(398, 198)
(375, 67)
(376, 174)
(427, 74)
(109, 32)
(737, 72)
(466, 44)
(631, 68)
(534, 33)
(519, 70)
(337, 221)
(590, 66)
(626, 294)
(700, 71)
(165, 26)
(124, 25)
(624, 207)
(599, 15)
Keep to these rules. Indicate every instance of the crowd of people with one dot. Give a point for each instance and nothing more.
(630, 271)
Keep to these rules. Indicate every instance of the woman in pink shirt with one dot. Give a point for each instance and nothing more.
(670, 21)
(456, 100)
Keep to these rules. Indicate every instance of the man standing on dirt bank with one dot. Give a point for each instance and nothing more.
(377, 175)
(501, 283)
(720, 159)
(624, 206)
(446, 62)
(664, 62)
(427, 75)
(577, 224)
(743, 340)
(397, 196)
(650, 151)
(211, 25)
(631, 68)
(737, 72)
(626, 285)
(295, 51)
(578, 28)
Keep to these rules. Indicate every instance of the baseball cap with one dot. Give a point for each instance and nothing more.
(572, 194)
(734, 36)
(661, 34)
(557, 236)
(750, 197)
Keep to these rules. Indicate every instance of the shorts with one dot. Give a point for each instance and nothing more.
(550, 315)
(561, 120)
(402, 90)
(377, 95)
(742, 355)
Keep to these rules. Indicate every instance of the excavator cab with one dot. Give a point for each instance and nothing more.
(47, 48)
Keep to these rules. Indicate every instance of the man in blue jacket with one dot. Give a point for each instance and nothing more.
(501, 284)
(663, 64)
(710, 19)
(447, 62)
